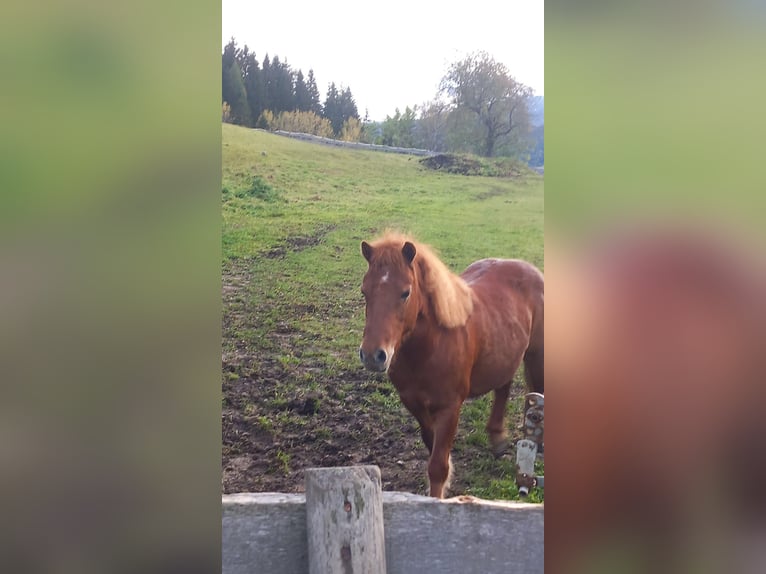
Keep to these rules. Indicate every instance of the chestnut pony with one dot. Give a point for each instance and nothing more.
(444, 338)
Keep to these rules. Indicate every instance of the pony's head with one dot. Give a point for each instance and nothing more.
(405, 279)
(392, 299)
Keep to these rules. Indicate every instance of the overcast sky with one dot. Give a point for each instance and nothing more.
(391, 54)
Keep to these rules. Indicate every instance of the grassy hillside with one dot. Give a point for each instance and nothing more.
(294, 394)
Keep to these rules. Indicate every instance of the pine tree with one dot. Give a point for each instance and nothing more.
(253, 79)
(234, 87)
(332, 109)
(348, 105)
(245, 59)
(314, 98)
(267, 82)
(282, 87)
(302, 97)
(227, 59)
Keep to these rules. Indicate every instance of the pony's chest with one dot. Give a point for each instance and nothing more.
(428, 352)
(430, 368)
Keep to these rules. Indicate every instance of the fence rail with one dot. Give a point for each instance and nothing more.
(354, 145)
(344, 523)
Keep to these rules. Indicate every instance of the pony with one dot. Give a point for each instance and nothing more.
(444, 338)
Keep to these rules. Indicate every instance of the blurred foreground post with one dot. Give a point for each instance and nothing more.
(344, 520)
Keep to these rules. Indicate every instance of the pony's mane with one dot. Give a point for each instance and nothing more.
(450, 296)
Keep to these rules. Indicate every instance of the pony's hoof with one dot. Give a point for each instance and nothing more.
(500, 448)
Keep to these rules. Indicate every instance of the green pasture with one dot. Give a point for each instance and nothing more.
(294, 214)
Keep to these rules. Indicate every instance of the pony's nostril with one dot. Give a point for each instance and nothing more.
(361, 355)
(380, 356)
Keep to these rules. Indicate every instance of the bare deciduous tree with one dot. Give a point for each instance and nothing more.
(485, 87)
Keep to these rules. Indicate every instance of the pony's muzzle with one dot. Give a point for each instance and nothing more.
(377, 361)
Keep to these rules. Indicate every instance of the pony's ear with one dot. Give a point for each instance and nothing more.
(409, 252)
(367, 251)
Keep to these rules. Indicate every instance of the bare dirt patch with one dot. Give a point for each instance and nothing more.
(267, 447)
(452, 163)
(471, 165)
(297, 243)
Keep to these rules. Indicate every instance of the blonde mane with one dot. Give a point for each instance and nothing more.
(449, 294)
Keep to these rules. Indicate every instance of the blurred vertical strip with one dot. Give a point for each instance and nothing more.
(110, 286)
(656, 275)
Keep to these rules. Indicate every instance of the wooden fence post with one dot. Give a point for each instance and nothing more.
(344, 520)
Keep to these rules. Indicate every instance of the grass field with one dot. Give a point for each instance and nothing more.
(294, 394)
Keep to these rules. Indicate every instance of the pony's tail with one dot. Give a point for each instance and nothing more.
(534, 370)
(534, 357)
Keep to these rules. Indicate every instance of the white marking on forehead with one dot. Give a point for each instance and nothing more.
(385, 277)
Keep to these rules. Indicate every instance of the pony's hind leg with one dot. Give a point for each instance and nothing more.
(496, 424)
(534, 371)
(440, 463)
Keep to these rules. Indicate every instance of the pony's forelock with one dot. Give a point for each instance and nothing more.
(449, 294)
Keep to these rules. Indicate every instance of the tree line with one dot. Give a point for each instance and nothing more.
(270, 93)
(479, 108)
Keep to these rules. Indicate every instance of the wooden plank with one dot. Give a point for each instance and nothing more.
(344, 520)
(462, 534)
(264, 533)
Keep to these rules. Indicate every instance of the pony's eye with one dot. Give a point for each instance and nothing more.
(405, 295)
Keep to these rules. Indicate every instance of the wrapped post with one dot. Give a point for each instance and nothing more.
(531, 445)
(526, 452)
(534, 419)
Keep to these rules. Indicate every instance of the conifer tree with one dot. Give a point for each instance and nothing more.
(348, 105)
(332, 109)
(282, 95)
(253, 80)
(313, 91)
(227, 59)
(234, 87)
(302, 97)
(267, 82)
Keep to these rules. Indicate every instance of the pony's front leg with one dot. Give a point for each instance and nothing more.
(421, 414)
(427, 433)
(439, 464)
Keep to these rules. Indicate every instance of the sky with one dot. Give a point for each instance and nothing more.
(393, 54)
